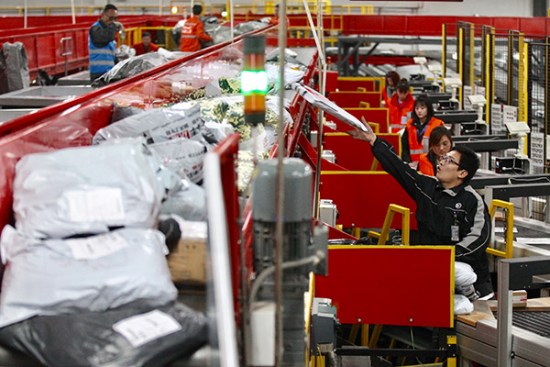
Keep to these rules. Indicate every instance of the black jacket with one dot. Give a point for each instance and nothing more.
(438, 209)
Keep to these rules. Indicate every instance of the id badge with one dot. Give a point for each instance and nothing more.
(454, 233)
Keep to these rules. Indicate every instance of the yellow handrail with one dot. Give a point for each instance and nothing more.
(508, 207)
(405, 225)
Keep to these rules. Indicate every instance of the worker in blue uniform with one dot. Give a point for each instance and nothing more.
(102, 41)
(448, 210)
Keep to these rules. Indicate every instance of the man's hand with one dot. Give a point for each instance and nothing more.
(359, 134)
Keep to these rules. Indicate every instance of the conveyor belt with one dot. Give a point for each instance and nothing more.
(537, 322)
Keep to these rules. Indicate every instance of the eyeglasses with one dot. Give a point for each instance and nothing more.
(113, 18)
(447, 159)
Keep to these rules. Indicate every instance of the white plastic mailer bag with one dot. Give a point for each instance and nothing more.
(97, 273)
(462, 305)
(183, 156)
(157, 125)
(86, 190)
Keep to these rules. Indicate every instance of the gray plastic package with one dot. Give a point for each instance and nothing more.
(14, 67)
(183, 156)
(86, 190)
(156, 125)
(132, 66)
(188, 203)
(97, 273)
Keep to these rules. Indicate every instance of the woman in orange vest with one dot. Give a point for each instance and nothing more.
(400, 106)
(441, 143)
(414, 141)
(192, 32)
(392, 79)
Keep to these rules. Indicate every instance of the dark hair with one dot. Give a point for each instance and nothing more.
(145, 34)
(394, 77)
(109, 7)
(197, 9)
(438, 133)
(403, 86)
(423, 100)
(469, 161)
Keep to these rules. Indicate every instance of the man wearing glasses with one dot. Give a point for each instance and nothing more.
(102, 43)
(448, 210)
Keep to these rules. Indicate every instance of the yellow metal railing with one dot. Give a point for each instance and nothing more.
(508, 208)
(405, 225)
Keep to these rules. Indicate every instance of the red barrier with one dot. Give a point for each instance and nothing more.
(371, 84)
(362, 198)
(390, 285)
(43, 43)
(379, 116)
(356, 155)
(347, 99)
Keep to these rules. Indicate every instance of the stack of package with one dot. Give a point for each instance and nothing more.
(86, 281)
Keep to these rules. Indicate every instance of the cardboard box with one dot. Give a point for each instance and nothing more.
(187, 263)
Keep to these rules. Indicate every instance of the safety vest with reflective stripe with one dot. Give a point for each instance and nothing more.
(416, 148)
(192, 32)
(426, 166)
(102, 59)
(399, 111)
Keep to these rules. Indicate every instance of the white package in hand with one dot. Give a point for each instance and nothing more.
(464, 274)
(86, 190)
(156, 125)
(52, 277)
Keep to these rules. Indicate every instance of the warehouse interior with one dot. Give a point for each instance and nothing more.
(254, 202)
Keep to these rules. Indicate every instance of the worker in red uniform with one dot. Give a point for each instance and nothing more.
(146, 45)
(192, 32)
(400, 106)
(414, 141)
(275, 18)
(392, 79)
(441, 142)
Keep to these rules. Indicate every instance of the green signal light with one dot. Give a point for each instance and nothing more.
(254, 82)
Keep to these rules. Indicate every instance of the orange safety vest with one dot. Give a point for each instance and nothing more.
(426, 166)
(192, 32)
(399, 112)
(416, 149)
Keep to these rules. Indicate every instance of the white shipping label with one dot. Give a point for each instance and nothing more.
(96, 205)
(141, 329)
(96, 246)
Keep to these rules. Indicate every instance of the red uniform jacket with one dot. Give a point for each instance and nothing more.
(140, 48)
(192, 33)
(399, 111)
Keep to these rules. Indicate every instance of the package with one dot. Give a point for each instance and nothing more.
(182, 156)
(462, 305)
(187, 263)
(135, 335)
(156, 125)
(189, 202)
(86, 274)
(14, 67)
(86, 190)
(132, 66)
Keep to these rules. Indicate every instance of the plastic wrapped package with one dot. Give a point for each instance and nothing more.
(183, 156)
(215, 132)
(132, 66)
(157, 125)
(462, 305)
(464, 274)
(250, 26)
(188, 203)
(94, 273)
(104, 339)
(86, 190)
(14, 67)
